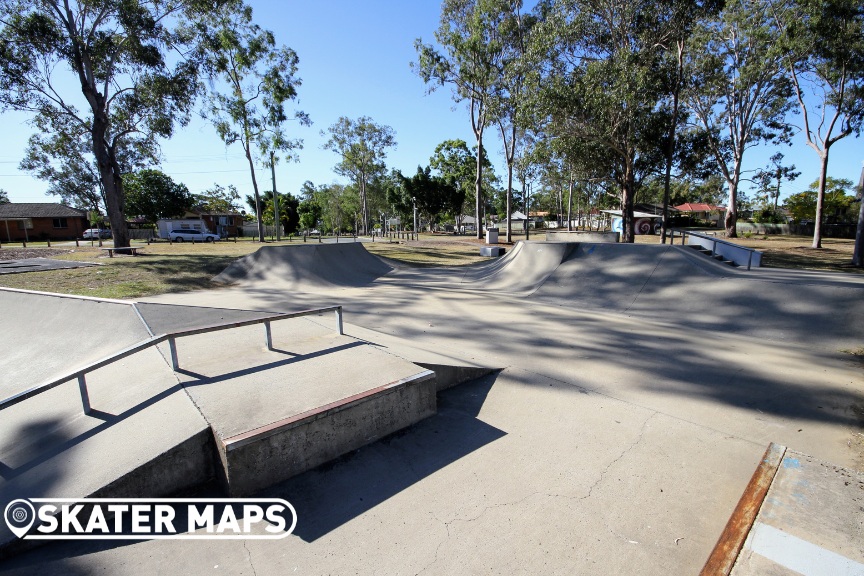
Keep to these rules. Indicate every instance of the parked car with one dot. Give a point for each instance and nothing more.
(192, 236)
(96, 233)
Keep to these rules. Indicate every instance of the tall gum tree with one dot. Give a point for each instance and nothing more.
(363, 145)
(743, 92)
(608, 55)
(102, 68)
(824, 58)
(251, 82)
(469, 61)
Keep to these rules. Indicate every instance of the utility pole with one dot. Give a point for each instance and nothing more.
(275, 194)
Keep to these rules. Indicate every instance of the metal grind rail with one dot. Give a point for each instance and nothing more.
(81, 373)
(741, 255)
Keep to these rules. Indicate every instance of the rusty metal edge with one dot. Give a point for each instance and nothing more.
(725, 553)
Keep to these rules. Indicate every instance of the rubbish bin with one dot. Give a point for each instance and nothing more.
(491, 235)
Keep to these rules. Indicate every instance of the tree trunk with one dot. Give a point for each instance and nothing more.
(258, 206)
(570, 206)
(627, 194)
(820, 200)
(365, 206)
(478, 185)
(509, 201)
(110, 176)
(731, 219)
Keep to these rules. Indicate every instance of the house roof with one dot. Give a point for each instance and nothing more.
(39, 210)
(698, 207)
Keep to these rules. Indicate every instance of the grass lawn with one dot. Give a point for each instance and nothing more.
(184, 266)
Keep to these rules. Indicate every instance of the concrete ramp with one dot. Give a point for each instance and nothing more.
(308, 266)
(45, 335)
(523, 270)
(235, 409)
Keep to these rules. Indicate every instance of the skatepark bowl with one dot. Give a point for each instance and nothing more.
(568, 408)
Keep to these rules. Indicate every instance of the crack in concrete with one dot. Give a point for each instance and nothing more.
(249, 555)
(609, 466)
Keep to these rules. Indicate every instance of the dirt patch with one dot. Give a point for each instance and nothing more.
(25, 253)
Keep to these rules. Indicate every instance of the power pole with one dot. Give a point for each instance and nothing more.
(275, 194)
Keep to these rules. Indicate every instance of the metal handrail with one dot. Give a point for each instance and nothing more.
(171, 337)
(715, 240)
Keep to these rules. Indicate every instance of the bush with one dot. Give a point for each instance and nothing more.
(768, 216)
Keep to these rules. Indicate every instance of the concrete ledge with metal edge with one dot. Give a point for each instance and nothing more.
(264, 456)
(798, 515)
(718, 248)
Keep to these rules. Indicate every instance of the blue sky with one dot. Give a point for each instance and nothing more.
(354, 61)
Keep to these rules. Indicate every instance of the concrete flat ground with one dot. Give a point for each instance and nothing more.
(639, 388)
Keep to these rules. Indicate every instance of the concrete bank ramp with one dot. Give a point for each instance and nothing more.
(308, 266)
(521, 271)
(45, 335)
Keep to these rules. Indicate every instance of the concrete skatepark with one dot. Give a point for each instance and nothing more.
(626, 394)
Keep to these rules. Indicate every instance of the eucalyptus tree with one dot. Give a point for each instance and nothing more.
(454, 162)
(772, 176)
(516, 75)
(677, 42)
(363, 145)
(823, 43)
(251, 81)
(605, 87)
(744, 92)
(102, 68)
(64, 160)
(472, 49)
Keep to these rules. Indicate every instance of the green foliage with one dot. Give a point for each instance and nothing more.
(769, 179)
(838, 205)
(768, 215)
(218, 199)
(116, 53)
(153, 195)
(4, 197)
(252, 80)
(433, 195)
(362, 145)
(457, 165)
(743, 92)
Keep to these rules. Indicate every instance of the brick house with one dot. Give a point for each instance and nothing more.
(222, 223)
(23, 221)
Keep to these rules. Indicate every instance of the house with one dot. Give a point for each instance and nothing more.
(27, 221)
(225, 224)
(701, 211)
